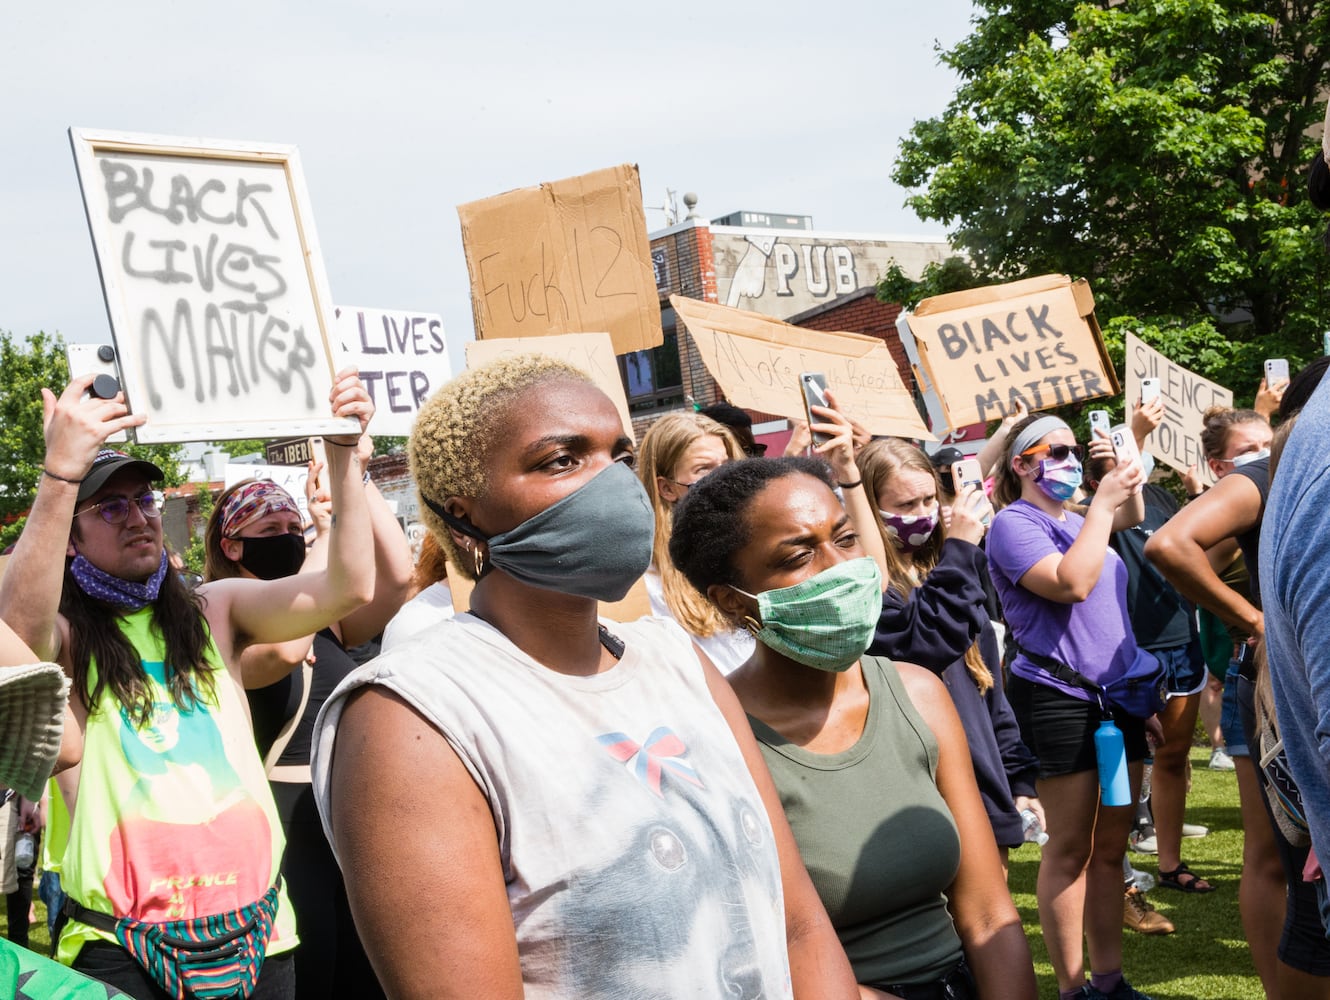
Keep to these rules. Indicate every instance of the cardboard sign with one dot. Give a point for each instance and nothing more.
(564, 257)
(402, 357)
(1185, 395)
(291, 478)
(1034, 341)
(591, 352)
(214, 286)
(757, 361)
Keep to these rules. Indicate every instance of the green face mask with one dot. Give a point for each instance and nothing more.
(826, 621)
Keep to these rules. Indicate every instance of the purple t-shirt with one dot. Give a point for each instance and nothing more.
(1094, 636)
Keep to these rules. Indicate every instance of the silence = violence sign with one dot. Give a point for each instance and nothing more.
(1033, 341)
(214, 285)
(1185, 395)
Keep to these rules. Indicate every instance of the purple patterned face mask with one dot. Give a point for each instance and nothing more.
(910, 532)
(1059, 480)
(102, 585)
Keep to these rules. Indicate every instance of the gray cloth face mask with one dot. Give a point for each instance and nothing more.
(595, 542)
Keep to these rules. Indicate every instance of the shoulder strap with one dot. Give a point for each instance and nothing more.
(1059, 670)
(279, 745)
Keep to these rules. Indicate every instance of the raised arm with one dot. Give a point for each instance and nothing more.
(76, 428)
(994, 450)
(1178, 549)
(818, 966)
(935, 623)
(986, 919)
(838, 451)
(247, 611)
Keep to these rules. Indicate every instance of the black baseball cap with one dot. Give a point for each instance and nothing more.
(107, 463)
(943, 457)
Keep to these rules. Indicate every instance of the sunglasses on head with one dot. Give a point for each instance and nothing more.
(1057, 452)
(116, 509)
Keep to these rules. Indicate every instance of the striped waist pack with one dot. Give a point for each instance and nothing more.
(208, 958)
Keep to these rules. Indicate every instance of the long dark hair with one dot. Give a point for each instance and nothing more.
(177, 618)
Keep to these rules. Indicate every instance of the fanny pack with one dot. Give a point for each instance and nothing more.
(1141, 692)
(207, 958)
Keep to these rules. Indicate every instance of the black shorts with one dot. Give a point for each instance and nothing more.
(1059, 729)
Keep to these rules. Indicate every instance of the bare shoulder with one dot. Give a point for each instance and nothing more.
(923, 686)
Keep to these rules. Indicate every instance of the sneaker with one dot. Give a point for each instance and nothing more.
(1142, 917)
(1194, 830)
(1123, 992)
(1220, 760)
(1143, 845)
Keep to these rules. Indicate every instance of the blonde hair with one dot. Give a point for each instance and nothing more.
(457, 426)
(662, 448)
(878, 462)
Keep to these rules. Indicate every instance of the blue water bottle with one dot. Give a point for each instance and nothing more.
(1111, 754)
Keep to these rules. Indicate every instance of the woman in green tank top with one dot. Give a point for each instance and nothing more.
(869, 757)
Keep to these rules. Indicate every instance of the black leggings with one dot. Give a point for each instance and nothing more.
(1302, 945)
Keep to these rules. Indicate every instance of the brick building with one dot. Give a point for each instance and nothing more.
(776, 265)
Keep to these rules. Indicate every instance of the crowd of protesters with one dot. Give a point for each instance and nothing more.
(861, 683)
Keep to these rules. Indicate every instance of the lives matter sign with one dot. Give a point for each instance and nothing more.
(214, 286)
(1185, 395)
(1034, 342)
(402, 357)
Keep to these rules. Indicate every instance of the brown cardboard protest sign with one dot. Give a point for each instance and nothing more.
(564, 257)
(1185, 395)
(1034, 341)
(757, 361)
(591, 352)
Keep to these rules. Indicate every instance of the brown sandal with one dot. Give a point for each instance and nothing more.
(1175, 880)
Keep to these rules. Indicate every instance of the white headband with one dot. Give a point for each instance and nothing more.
(1036, 430)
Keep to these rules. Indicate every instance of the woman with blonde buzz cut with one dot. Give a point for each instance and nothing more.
(578, 806)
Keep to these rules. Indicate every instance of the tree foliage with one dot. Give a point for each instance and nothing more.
(1157, 148)
(26, 366)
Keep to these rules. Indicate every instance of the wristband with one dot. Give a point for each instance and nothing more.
(62, 479)
(850, 486)
(1193, 496)
(341, 444)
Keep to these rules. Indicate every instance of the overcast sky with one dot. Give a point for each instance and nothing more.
(403, 110)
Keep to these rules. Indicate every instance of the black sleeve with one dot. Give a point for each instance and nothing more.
(936, 622)
(1318, 182)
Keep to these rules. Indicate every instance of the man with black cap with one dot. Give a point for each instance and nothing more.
(173, 832)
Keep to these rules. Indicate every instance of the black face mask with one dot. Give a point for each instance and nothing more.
(271, 557)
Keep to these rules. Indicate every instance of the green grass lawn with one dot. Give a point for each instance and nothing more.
(1206, 958)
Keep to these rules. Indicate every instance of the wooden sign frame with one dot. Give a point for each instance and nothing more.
(280, 362)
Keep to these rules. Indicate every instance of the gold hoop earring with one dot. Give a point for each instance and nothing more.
(478, 560)
(752, 624)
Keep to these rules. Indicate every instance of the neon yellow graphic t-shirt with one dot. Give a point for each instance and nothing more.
(174, 818)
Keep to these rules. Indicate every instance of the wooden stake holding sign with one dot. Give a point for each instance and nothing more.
(1034, 341)
(214, 286)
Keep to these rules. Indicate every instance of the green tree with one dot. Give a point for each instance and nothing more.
(26, 366)
(195, 554)
(1157, 148)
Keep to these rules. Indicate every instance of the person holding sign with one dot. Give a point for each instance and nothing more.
(869, 756)
(173, 826)
(1064, 591)
(256, 532)
(575, 808)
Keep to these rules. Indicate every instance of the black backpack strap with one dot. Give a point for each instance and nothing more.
(74, 910)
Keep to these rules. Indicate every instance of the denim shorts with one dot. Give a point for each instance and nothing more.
(1230, 721)
(1184, 668)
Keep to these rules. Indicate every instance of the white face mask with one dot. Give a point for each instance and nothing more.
(1252, 456)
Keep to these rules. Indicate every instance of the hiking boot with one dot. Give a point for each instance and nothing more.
(1220, 760)
(1140, 916)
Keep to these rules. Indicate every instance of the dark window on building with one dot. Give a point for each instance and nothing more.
(653, 379)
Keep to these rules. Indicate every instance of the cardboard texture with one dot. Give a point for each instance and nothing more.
(402, 357)
(591, 352)
(214, 286)
(757, 361)
(635, 604)
(1186, 396)
(567, 256)
(1034, 340)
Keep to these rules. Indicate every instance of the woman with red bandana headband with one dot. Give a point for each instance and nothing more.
(256, 531)
(935, 613)
(1064, 593)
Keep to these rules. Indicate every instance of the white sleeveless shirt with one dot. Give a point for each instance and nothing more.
(638, 855)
